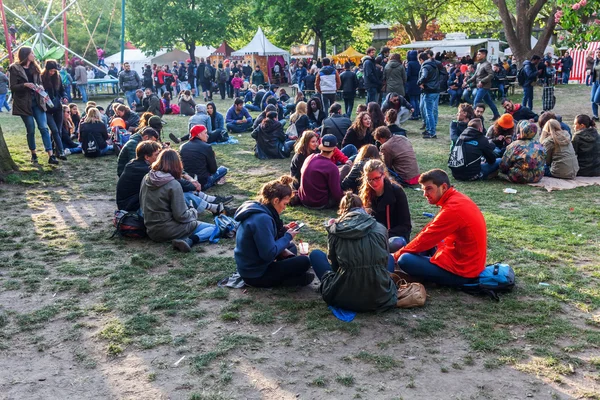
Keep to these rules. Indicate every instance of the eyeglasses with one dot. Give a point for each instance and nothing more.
(372, 180)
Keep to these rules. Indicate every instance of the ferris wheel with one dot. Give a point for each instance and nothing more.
(41, 26)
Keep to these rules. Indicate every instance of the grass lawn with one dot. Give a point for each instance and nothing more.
(84, 316)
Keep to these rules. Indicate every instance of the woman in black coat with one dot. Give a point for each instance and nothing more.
(270, 139)
(54, 115)
(315, 113)
(93, 135)
(387, 202)
(359, 133)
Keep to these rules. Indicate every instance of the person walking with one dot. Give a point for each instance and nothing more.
(484, 74)
(25, 78)
(531, 75)
(327, 83)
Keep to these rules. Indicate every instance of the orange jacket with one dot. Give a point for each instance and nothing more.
(459, 233)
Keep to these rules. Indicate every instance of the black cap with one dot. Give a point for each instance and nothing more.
(328, 142)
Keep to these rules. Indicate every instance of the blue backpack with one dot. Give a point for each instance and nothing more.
(493, 279)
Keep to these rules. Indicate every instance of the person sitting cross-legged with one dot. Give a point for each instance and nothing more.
(271, 141)
(524, 159)
(320, 178)
(199, 159)
(357, 279)
(130, 182)
(202, 117)
(93, 135)
(238, 119)
(167, 216)
(561, 159)
(466, 154)
(451, 249)
(264, 253)
(398, 155)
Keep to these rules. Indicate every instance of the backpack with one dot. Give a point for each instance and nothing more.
(225, 227)
(222, 76)
(493, 279)
(521, 76)
(207, 74)
(128, 224)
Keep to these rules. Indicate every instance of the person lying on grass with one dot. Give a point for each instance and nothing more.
(358, 277)
(451, 249)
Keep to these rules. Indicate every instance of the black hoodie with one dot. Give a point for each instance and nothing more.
(270, 139)
(474, 146)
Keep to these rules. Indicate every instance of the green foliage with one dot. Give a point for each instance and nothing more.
(160, 24)
(362, 37)
(580, 19)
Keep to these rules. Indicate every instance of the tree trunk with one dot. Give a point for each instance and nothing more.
(518, 28)
(316, 47)
(6, 162)
(323, 48)
(191, 48)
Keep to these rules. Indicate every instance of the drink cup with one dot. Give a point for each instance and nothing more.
(303, 248)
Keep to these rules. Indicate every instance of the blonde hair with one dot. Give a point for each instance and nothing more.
(366, 192)
(553, 130)
(92, 115)
(301, 109)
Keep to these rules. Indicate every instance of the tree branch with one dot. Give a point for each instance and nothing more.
(544, 38)
(535, 9)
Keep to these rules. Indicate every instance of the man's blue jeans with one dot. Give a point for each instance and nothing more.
(39, 118)
(501, 93)
(83, 90)
(422, 269)
(487, 169)
(484, 95)
(3, 102)
(431, 101)
(415, 103)
(595, 97)
(198, 203)
(455, 95)
(131, 97)
(565, 77)
(527, 97)
(321, 265)
(239, 128)
(212, 180)
(350, 151)
(372, 95)
(467, 96)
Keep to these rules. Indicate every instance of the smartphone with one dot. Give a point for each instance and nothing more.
(299, 226)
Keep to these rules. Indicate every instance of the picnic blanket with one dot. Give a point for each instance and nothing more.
(229, 141)
(551, 184)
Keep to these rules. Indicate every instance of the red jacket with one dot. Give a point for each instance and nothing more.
(459, 233)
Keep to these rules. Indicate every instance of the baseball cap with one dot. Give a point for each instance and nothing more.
(328, 143)
(197, 130)
(155, 122)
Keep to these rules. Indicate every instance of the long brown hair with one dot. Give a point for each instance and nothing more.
(368, 152)
(22, 55)
(51, 80)
(169, 161)
(301, 146)
(377, 118)
(552, 129)
(366, 192)
(358, 127)
(277, 189)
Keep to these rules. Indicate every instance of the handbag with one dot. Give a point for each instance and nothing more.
(409, 295)
(292, 132)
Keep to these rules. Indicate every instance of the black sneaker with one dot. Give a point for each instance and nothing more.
(595, 119)
(429, 136)
(423, 126)
(34, 158)
(52, 160)
(174, 138)
(62, 157)
(223, 199)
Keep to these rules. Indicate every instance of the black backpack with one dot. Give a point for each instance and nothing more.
(521, 76)
(128, 224)
(222, 76)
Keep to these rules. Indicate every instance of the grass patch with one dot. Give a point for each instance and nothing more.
(227, 344)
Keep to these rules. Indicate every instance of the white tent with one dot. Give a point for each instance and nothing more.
(548, 49)
(260, 46)
(203, 52)
(137, 59)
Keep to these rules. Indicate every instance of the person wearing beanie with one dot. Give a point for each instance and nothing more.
(524, 159)
(467, 152)
(199, 159)
(501, 133)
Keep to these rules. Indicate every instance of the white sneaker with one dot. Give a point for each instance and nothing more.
(222, 181)
(67, 152)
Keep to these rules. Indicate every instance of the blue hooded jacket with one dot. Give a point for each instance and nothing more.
(256, 243)
(412, 74)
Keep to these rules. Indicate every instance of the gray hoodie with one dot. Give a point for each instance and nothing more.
(166, 215)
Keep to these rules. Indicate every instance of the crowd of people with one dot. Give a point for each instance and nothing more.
(357, 166)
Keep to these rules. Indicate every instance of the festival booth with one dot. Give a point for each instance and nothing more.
(348, 55)
(579, 55)
(260, 51)
(137, 59)
(302, 51)
(454, 43)
(222, 53)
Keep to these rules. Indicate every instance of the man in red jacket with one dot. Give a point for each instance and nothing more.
(458, 231)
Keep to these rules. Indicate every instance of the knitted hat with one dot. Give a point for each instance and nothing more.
(155, 122)
(201, 108)
(506, 121)
(197, 130)
(118, 122)
(526, 130)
